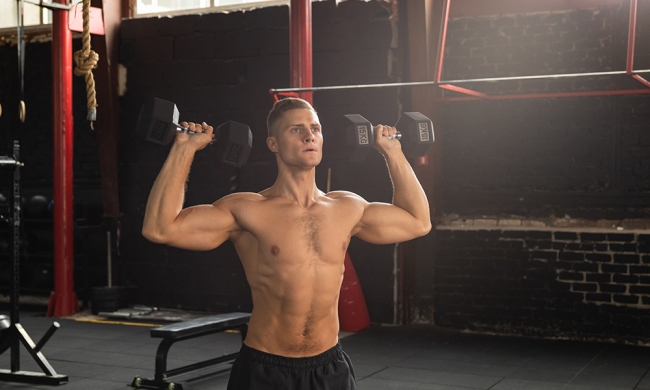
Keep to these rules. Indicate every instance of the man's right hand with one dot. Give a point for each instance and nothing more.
(200, 137)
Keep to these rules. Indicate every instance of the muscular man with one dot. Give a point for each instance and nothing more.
(291, 239)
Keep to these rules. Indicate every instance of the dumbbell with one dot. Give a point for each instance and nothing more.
(415, 134)
(157, 123)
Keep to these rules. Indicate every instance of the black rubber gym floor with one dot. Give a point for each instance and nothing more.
(101, 356)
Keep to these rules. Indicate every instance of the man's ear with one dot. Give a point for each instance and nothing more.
(272, 144)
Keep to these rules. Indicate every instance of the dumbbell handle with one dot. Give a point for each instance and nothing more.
(397, 135)
(181, 129)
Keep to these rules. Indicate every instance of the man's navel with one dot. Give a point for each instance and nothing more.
(275, 250)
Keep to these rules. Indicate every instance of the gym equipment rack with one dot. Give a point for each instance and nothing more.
(12, 337)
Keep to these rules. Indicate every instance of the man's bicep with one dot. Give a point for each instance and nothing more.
(384, 223)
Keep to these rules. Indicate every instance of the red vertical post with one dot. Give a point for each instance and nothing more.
(630, 37)
(300, 47)
(63, 300)
(442, 40)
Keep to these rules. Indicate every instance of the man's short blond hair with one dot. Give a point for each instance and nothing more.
(278, 110)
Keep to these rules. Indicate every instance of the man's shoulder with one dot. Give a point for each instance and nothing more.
(240, 197)
(344, 195)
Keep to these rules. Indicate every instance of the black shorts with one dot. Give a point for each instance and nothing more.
(257, 370)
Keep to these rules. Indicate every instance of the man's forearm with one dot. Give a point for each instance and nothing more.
(167, 194)
(408, 193)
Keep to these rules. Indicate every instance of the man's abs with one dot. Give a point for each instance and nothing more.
(291, 336)
(295, 308)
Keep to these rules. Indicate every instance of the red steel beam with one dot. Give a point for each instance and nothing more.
(63, 300)
(547, 95)
(631, 37)
(463, 90)
(300, 47)
(641, 80)
(442, 40)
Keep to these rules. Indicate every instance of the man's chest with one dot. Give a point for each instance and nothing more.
(314, 230)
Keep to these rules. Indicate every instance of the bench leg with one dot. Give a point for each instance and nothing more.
(144, 383)
(161, 359)
(160, 380)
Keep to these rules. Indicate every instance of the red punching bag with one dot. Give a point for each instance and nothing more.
(353, 313)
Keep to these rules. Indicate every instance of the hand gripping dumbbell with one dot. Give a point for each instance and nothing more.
(415, 132)
(157, 123)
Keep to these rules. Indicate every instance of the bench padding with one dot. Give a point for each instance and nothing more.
(201, 326)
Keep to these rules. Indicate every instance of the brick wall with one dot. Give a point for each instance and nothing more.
(552, 283)
(534, 191)
(217, 67)
(584, 40)
(585, 157)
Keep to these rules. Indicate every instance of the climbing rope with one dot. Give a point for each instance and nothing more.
(86, 61)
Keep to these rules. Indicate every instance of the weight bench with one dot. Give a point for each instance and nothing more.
(185, 330)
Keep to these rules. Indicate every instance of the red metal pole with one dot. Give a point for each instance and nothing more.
(442, 41)
(63, 300)
(623, 92)
(630, 44)
(641, 80)
(300, 49)
(630, 37)
(463, 90)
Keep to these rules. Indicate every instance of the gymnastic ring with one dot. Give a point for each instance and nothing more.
(22, 112)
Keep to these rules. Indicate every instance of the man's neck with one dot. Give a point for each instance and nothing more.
(296, 185)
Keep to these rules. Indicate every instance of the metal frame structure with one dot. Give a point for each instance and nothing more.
(453, 85)
(16, 335)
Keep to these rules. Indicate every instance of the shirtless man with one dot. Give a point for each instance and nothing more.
(291, 239)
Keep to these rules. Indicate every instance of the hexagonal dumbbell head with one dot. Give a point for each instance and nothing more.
(417, 133)
(158, 124)
(234, 144)
(359, 137)
(158, 121)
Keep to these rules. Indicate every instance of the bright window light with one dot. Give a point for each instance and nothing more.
(148, 7)
(33, 15)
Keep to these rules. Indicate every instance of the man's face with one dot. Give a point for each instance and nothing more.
(299, 140)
